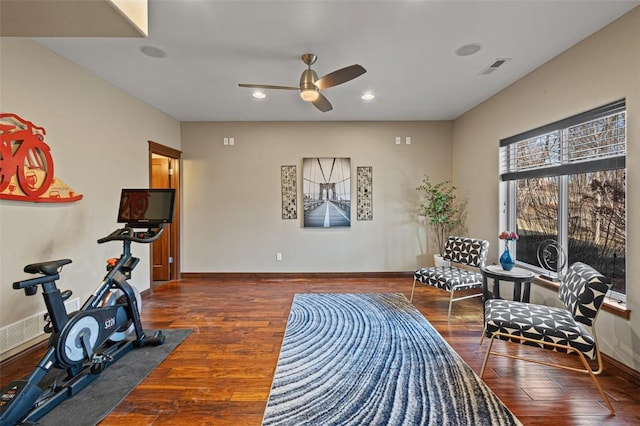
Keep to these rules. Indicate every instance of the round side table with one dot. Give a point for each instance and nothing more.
(517, 276)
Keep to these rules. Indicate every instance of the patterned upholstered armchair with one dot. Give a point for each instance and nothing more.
(459, 251)
(567, 329)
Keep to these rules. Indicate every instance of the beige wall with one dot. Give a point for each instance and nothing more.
(600, 69)
(231, 204)
(99, 141)
(232, 214)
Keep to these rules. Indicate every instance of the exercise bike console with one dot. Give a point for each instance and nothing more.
(85, 342)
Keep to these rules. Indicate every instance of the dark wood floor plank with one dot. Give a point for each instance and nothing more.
(221, 374)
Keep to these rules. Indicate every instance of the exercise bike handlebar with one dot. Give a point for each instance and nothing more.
(130, 234)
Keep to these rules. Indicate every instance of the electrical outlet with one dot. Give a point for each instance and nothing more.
(278, 256)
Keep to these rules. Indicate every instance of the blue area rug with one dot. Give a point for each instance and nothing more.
(373, 359)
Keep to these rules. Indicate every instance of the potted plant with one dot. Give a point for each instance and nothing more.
(443, 211)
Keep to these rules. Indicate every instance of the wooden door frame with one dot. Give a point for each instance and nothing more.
(174, 243)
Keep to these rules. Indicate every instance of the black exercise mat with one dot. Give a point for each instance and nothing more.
(99, 398)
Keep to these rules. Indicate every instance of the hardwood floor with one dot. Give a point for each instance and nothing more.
(221, 374)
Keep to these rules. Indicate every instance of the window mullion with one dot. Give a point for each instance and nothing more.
(563, 215)
(563, 197)
(511, 212)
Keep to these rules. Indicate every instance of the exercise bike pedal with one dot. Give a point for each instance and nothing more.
(99, 362)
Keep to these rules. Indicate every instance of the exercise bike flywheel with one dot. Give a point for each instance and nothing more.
(117, 296)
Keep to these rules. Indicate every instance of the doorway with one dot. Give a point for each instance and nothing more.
(164, 172)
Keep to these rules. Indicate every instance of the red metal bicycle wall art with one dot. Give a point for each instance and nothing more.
(26, 164)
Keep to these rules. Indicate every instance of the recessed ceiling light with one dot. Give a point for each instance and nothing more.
(259, 95)
(368, 96)
(468, 49)
(153, 51)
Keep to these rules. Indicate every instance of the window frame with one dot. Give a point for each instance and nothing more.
(509, 175)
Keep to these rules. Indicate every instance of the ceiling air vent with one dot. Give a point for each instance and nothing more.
(494, 66)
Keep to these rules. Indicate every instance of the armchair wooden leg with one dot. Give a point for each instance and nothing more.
(587, 368)
(596, 382)
(413, 290)
(450, 303)
(486, 356)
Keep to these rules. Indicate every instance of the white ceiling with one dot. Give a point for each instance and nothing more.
(407, 47)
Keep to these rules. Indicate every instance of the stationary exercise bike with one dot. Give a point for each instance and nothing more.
(85, 342)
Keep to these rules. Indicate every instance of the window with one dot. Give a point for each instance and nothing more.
(566, 181)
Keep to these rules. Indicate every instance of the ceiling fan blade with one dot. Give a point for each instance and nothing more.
(268, 86)
(322, 103)
(340, 76)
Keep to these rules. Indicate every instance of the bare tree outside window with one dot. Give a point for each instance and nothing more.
(537, 215)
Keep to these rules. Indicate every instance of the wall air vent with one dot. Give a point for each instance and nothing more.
(494, 66)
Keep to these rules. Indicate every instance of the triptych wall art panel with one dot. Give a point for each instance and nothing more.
(365, 193)
(326, 190)
(289, 184)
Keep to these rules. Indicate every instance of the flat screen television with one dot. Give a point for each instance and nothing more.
(146, 207)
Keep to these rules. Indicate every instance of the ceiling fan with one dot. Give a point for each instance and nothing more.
(310, 84)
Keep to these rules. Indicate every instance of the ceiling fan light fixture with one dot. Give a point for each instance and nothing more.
(259, 95)
(310, 86)
(309, 95)
(368, 96)
(308, 90)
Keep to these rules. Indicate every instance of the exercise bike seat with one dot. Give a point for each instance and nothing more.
(47, 268)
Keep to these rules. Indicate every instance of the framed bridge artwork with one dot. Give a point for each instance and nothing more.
(326, 192)
(26, 164)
